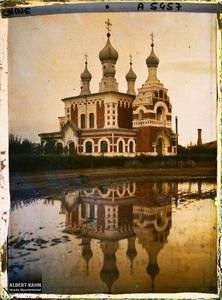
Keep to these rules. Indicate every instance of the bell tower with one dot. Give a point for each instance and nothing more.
(108, 57)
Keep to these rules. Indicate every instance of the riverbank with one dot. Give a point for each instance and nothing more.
(53, 181)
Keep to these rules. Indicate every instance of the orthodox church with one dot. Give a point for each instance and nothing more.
(113, 123)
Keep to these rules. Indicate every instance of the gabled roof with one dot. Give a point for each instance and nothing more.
(50, 134)
(71, 124)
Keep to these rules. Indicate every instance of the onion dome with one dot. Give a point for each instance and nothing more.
(153, 270)
(152, 60)
(131, 76)
(86, 75)
(108, 53)
(87, 251)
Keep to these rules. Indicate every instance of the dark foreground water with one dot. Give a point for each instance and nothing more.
(128, 237)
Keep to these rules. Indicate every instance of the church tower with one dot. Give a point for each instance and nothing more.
(108, 57)
(85, 79)
(131, 78)
(152, 113)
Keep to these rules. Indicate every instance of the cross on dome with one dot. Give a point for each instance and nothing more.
(152, 39)
(108, 25)
(86, 57)
(131, 58)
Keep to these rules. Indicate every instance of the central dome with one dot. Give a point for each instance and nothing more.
(152, 60)
(108, 53)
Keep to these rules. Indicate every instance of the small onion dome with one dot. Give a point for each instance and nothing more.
(131, 76)
(108, 53)
(86, 75)
(152, 60)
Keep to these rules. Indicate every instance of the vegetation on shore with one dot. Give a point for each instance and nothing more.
(27, 156)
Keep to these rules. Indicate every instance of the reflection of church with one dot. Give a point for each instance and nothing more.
(127, 211)
(112, 123)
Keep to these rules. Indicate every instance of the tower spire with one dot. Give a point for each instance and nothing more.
(152, 62)
(108, 57)
(85, 79)
(131, 78)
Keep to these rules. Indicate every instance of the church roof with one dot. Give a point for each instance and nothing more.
(99, 93)
(71, 124)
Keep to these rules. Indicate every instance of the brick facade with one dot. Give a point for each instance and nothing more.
(113, 123)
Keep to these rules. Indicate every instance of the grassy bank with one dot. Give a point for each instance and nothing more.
(31, 163)
(24, 185)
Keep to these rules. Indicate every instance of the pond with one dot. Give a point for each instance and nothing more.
(131, 236)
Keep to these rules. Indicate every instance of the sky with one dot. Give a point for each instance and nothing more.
(46, 58)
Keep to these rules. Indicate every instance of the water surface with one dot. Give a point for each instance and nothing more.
(135, 236)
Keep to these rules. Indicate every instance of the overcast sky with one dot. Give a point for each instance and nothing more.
(46, 58)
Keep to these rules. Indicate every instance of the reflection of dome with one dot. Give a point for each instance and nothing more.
(86, 75)
(108, 53)
(109, 272)
(131, 250)
(153, 270)
(152, 60)
(86, 251)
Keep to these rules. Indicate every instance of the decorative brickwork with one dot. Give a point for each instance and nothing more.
(100, 110)
(112, 123)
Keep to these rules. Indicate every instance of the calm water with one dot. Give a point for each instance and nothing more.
(128, 237)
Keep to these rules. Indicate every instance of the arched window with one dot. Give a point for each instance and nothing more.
(141, 115)
(131, 147)
(160, 113)
(88, 147)
(91, 120)
(72, 149)
(59, 148)
(103, 189)
(83, 121)
(159, 147)
(121, 146)
(104, 146)
(161, 94)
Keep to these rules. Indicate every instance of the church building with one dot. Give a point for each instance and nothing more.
(114, 123)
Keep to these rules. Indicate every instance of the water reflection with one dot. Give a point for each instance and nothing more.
(130, 220)
(125, 211)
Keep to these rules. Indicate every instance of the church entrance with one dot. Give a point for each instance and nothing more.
(159, 147)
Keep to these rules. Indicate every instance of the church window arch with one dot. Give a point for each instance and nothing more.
(71, 148)
(88, 147)
(59, 146)
(91, 120)
(121, 145)
(141, 115)
(104, 145)
(161, 94)
(83, 121)
(131, 146)
(160, 113)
